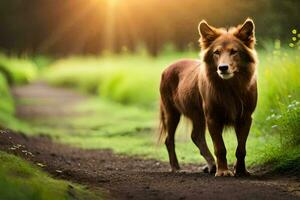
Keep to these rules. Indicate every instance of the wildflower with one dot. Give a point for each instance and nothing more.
(274, 126)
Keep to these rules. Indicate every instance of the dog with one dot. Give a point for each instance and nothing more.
(217, 91)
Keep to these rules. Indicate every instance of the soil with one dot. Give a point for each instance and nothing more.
(124, 177)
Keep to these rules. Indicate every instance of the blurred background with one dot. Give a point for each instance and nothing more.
(64, 27)
(111, 54)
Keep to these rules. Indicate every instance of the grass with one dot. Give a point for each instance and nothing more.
(20, 180)
(13, 71)
(128, 79)
(17, 70)
(7, 108)
(6, 101)
(279, 84)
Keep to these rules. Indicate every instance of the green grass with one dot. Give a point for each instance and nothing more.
(20, 180)
(13, 71)
(128, 79)
(279, 83)
(7, 106)
(17, 70)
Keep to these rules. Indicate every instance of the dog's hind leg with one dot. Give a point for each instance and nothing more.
(198, 137)
(172, 121)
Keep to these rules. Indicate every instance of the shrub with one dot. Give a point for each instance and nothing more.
(17, 70)
(6, 100)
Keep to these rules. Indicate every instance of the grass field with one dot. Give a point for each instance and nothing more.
(132, 81)
(123, 112)
(128, 79)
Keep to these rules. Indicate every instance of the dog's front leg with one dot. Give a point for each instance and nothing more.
(215, 129)
(242, 129)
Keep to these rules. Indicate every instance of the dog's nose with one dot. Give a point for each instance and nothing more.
(223, 67)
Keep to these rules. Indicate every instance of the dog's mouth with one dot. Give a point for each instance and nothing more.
(225, 75)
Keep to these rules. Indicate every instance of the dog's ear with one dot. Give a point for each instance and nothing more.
(207, 34)
(245, 33)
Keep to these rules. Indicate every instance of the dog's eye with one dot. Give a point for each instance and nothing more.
(233, 52)
(217, 52)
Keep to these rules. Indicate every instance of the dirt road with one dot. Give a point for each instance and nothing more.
(126, 177)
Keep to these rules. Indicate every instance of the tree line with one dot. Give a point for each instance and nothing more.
(63, 27)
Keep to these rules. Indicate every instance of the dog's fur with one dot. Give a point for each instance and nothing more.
(209, 96)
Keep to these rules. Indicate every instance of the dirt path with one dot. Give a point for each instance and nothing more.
(128, 177)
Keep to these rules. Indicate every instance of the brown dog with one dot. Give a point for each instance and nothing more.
(218, 91)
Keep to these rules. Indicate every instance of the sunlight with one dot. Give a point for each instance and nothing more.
(58, 33)
(110, 1)
(112, 12)
(109, 36)
(113, 2)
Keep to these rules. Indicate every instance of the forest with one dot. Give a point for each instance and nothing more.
(79, 100)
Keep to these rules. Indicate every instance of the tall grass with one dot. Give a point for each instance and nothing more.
(279, 92)
(17, 70)
(13, 71)
(6, 100)
(129, 79)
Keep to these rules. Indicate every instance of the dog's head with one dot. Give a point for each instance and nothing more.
(228, 52)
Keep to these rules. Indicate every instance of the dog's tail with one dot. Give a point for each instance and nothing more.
(162, 123)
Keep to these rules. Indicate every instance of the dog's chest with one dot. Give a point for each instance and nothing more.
(225, 107)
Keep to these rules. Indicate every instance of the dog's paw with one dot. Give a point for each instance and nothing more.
(209, 169)
(175, 170)
(240, 170)
(241, 173)
(224, 172)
